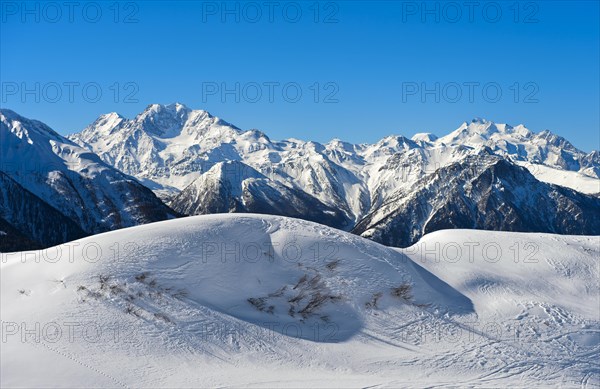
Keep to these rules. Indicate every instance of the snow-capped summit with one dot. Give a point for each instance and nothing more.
(163, 120)
(160, 146)
(476, 132)
(479, 120)
(178, 107)
(521, 144)
(424, 137)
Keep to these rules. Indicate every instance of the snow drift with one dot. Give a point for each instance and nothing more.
(259, 300)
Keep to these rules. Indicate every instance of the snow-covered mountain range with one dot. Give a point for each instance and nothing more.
(169, 146)
(179, 153)
(482, 175)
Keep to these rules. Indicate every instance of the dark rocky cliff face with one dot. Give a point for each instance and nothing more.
(487, 193)
(27, 222)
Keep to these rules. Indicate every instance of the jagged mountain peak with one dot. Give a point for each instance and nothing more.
(107, 123)
(156, 120)
(257, 135)
(173, 108)
(555, 140)
(229, 174)
(476, 127)
(233, 186)
(173, 120)
(481, 191)
(27, 144)
(111, 115)
(178, 107)
(424, 137)
(485, 131)
(163, 120)
(398, 139)
(480, 120)
(338, 144)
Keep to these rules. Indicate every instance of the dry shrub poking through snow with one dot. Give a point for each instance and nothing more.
(404, 292)
(333, 264)
(259, 303)
(317, 300)
(181, 293)
(163, 317)
(141, 277)
(301, 281)
(374, 300)
(103, 279)
(279, 292)
(132, 310)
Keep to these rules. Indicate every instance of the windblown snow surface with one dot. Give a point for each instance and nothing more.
(264, 301)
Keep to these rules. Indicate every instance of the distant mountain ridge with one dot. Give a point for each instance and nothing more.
(393, 191)
(172, 148)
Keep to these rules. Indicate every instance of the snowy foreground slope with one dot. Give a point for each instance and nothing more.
(266, 301)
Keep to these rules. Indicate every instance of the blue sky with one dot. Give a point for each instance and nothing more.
(354, 70)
